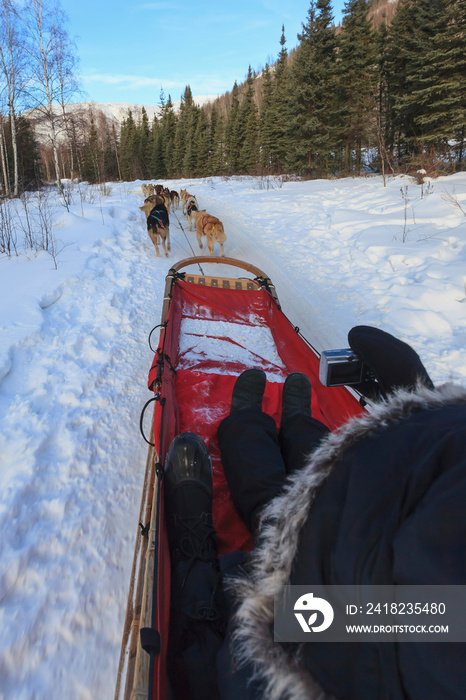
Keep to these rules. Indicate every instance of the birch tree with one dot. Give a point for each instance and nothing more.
(51, 53)
(3, 157)
(13, 64)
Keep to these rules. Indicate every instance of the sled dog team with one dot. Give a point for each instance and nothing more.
(157, 203)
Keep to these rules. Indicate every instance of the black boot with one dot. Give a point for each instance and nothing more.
(300, 433)
(249, 390)
(197, 611)
(296, 398)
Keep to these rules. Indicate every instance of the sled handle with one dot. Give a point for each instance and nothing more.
(222, 260)
(260, 277)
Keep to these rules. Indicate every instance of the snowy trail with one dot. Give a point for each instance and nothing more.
(74, 361)
(75, 466)
(337, 257)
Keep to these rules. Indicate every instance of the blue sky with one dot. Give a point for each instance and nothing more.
(129, 50)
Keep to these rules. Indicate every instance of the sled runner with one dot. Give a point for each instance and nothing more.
(212, 329)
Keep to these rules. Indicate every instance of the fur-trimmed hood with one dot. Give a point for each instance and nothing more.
(272, 560)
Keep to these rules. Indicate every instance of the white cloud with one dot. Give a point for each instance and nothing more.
(130, 81)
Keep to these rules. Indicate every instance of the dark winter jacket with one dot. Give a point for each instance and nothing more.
(382, 500)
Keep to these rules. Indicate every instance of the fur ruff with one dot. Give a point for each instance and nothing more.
(271, 562)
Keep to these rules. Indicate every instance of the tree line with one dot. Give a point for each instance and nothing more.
(347, 99)
(37, 69)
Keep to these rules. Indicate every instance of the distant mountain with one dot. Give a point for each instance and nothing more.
(114, 112)
(118, 111)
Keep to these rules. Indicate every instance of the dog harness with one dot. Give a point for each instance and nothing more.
(159, 215)
(208, 220)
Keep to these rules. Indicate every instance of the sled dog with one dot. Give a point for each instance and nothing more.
(190, 200)
(210, 227)
(191, 207)
(158, 224)
(175, 199)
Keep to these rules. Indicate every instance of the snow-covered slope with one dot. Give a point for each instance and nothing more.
(74, 362)
(115, 112)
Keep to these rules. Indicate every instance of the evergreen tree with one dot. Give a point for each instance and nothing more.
(168, 127)
(383, 122)
(436, 81)
(327, 106)
(144, 151)
(29, 166)
(232, 140)
(217, 163)
(110, 164)
(280, 143)
(315, 119)
(404, 39)
(249, 129)
(189, 160)
(201, 145)
(358, 79)
(156, 162)
(159, 145)
(266, 121)
(91, 169)
(127, 153)
(181, 135)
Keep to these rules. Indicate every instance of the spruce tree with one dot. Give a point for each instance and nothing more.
(181, 135)
(266, 121)
(248, 129)
(405, 38)
(326, 139)
(383, 127)
(280, 143)
(217, 163)
(315, 115)
(30, 174)
(168, 128)
(300, 157)
(201, 145)
(189, 160)
(144, 153)
(358, 80)
(232, 140)
(127, 153)
(437, 79)
(91, 170)
(157, 165)
(110, 165)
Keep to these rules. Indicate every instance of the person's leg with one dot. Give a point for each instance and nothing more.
(197, 615)
(251, 455)
(298, 439)
(252, 461)
(300, 433)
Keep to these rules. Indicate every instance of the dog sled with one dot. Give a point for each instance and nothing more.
(212, 328)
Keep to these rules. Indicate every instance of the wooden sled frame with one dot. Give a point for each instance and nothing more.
(133, 678)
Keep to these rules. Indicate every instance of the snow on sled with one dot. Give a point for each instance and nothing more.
(212, 329)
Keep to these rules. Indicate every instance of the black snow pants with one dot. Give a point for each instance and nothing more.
(256, 459)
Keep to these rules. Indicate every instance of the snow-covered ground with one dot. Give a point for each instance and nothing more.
(74, 362)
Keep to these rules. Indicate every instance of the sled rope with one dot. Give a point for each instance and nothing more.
(189, 243)
(150, 334)
(150, 636)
